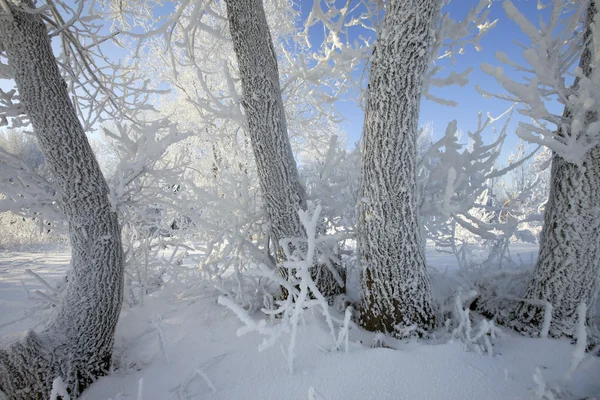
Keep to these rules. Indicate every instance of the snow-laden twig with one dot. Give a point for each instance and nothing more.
(140, 391)
(206, 379)
(551, 52)
(579, 351)
(59, 389)
(302, 294)
(343, 333)
(313, 394)
(542, 391)
(198, 373)
(547, 312)
(547, 320)
(463, 330)
(161, 339)
(42, 281)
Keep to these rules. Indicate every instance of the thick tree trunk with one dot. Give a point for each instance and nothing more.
(568, 267)
(77, 344)
(283, 195)
(395, 291)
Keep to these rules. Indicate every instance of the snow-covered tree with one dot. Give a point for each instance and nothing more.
(282, 192)
(197, 59)
(567, 271)
(77, 343)
(396, 291)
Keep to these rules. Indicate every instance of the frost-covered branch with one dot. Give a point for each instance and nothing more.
(553, 49)
(302, 294)
(451, 39)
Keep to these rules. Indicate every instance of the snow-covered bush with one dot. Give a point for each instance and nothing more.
(229, 223)
(302, 293)
(146, 190)
(458, 323)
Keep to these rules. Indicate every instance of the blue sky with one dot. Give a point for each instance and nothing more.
(501, 38)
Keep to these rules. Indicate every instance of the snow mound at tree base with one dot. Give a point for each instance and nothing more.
(185, 347)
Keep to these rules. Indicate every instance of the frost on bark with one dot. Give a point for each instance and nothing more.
(568, 267)
(283, 195)
(395, 291)
(77, 344)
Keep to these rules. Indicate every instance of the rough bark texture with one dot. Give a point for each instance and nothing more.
(568, 267)
(283, 195)
(77, 343)
(395, 291)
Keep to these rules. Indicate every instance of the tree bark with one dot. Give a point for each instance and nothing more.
(77, 344)
(395, 292)
(568, 266)
(283, 195)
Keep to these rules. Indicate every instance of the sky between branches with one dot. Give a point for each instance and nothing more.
(502, 37)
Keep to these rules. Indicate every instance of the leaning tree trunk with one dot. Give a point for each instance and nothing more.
(282, 193)
(395, 291)
(77, 344)
(568, 267)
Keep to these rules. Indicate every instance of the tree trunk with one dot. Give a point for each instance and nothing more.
(283, 195)
(568, 266)
(77, 344)
(395, 292)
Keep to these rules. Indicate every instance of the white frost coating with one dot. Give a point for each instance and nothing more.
(458, 200)
(449, 192)
(542, 391)
(396, 289)
(568, 266)
(547, 320)
(579, 352)
(303, 294)
(77, 343)
(140, 393)
(463, 329)
(59, 389)
(282, 192)
(549, 57)
(313, 394)
(450, 40)
(343, 334)
(206, 379)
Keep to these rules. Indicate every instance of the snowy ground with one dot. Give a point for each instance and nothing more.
(183, 345)
(18, 306)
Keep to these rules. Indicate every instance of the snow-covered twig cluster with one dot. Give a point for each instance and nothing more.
(302, 294)
(100, 87)
(146, 190)
(553, 50)
(462, 204)
(460, 325)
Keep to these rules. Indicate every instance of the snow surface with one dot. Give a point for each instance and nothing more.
(182, 345)
(17, 313)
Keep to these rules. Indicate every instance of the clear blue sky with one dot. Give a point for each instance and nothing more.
(501, 38)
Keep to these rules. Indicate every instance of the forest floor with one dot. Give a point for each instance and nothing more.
(181, 344)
